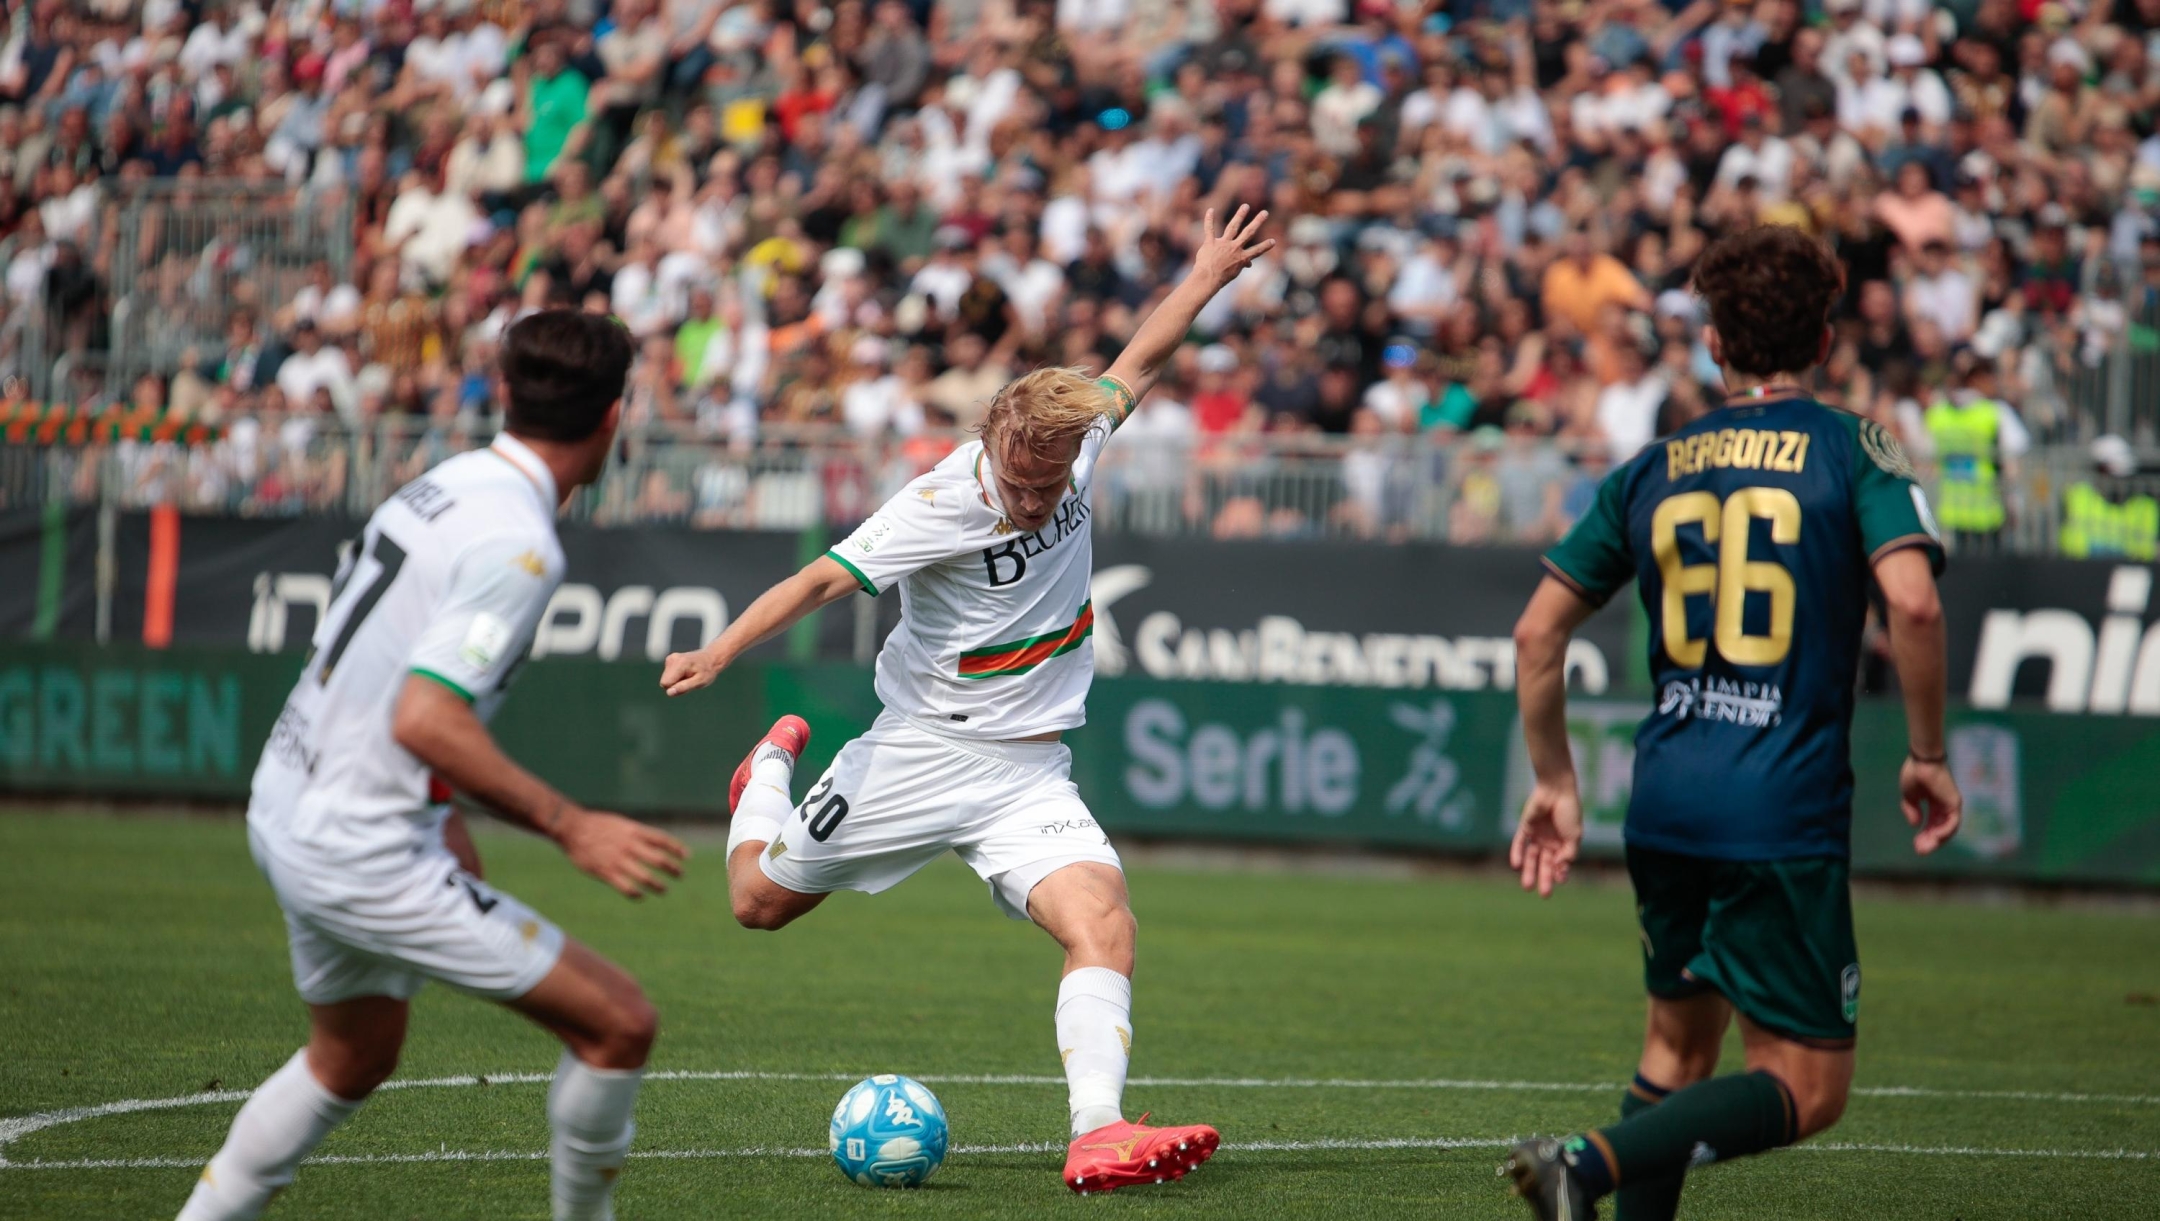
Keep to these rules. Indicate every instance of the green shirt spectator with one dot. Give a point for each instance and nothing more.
(906, 227)
(1455, 409)
(555, 105)
(694, 337)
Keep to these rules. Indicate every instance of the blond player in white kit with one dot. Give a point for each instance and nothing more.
(990, 664)
(349, 818)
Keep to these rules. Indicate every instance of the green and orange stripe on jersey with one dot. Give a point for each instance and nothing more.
(1021, 656)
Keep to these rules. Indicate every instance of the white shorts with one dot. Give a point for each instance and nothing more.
(381, 932)
(898, 796)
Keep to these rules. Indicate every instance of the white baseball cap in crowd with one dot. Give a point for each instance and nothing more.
(2114, 455)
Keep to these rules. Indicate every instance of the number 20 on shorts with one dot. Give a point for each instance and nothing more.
(1726, 526)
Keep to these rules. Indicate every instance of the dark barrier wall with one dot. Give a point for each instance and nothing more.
(48, 573)
(2053, 797)
(2064, 635)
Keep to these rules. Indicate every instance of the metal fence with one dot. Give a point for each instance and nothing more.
(1396, 488)
(182, 255)
(791, 478)
(187, 253)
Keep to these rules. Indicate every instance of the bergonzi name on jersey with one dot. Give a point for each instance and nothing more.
(1021, 656)
(1007, 562)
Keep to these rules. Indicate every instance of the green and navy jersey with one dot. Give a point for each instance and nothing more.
(1752, 533)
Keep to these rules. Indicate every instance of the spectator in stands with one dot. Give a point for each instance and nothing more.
(1503, 192)
(1584, 280)
(316, 367)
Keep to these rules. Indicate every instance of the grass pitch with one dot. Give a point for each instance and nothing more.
(2009, 1059)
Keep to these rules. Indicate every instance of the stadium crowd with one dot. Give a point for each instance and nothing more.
(868, 214)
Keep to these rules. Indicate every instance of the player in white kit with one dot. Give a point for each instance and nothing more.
(349, 818)
(991, 662)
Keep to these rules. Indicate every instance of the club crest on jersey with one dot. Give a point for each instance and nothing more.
(532, 564)
(1884, 451)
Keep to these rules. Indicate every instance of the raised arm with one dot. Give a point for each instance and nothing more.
(820, 584)
(1219, 260)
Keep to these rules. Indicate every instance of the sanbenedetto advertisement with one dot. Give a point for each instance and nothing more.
(2061, 635)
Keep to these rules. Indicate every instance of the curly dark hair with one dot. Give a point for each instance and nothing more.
(1770, 290)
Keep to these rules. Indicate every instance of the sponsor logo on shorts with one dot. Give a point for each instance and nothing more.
(1064, 825)
(1849, 988)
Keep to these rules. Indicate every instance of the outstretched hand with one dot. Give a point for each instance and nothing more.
(1547, 837)
(1223, 255)
(686, 672)
(622, 852)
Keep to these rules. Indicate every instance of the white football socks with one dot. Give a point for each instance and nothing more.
(1094, 1031)
(766, 800)
(589, 1111)
(282, 1122)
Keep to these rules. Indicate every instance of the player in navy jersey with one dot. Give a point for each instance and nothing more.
(1753, 534)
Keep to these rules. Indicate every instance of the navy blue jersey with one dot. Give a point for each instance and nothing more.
(1752, 533)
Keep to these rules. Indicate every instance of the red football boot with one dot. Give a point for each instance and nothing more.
(1126, 1154)
(790, 733)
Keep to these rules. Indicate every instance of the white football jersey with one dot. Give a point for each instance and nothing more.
(448, 582)
(993, 640)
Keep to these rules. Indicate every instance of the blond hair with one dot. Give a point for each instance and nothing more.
(1046, 413)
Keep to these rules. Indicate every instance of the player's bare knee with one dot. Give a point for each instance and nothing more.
(1819, 1108)
(1693, 1064)
(624, 1036)
(1105, 938)
(639, 1026)
(352, 1071)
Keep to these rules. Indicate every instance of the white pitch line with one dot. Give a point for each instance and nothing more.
(1341, 1083)
(1273, 1146)
(15, 1128)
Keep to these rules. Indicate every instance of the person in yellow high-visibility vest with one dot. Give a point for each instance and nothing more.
(1977, 440)
(2098, 525)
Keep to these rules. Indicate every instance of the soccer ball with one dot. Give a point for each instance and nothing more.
(889, 1131)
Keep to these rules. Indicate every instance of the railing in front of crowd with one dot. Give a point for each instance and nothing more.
(183, 254)
(1459, 489)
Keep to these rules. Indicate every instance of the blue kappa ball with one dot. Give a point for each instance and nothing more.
(889, 1131)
